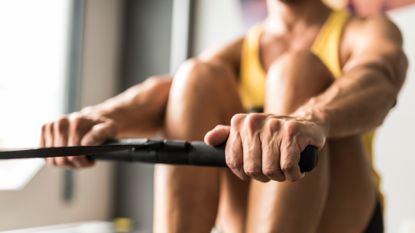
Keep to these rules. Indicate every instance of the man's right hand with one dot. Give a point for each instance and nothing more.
(76, 129)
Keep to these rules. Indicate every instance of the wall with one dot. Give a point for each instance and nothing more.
(146, 52)
(394, 153)
(41, 202)
(214, 25)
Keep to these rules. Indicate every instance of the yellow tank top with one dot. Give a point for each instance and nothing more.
(326, 46)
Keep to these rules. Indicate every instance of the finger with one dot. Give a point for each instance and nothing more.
(96, 136)
(252, 146)
(49, 137)
(79, 127)
(42, 142)
(252, 157)
(61, 128)
(80, 161)
(86, 162)
(60, 131)
(50, 161)
(62, 162)
(99, 134)
(48, 141)
(290, 157)
(234, 155)
(217, 135)
(271, 158)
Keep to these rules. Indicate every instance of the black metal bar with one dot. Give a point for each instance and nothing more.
(152, 151)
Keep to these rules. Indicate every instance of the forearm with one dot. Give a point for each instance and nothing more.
(353, 104)
(137, 111)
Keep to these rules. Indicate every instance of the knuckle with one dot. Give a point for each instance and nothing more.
(273, 124)
(110, 123)
(73, 158)
(252, 119)
(94, 138)
(253, 171)
(62, 124)
(237, 119)
(76, 122)
(288, 167)
(111, 128)
(274, 174)
(291, 128)
(44, 129)
(232, 163)
(270, 171)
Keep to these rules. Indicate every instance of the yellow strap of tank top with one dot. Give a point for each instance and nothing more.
(327, 44)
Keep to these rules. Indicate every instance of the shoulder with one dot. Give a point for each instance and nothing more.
(373, 27)
(373, 35)
(364, 32)
(375, 42)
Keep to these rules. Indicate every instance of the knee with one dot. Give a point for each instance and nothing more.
(299, 68)
(198, 76)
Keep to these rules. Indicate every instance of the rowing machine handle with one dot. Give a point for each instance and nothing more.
(187, 153)
(203, 154)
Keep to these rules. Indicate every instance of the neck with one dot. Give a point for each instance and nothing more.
(287, 15)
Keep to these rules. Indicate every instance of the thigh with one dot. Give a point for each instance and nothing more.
(289, 207)
(186, 198)
(352, 194)
(232, 210)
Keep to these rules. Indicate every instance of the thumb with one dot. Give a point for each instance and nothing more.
(218, 135)
(99, 134)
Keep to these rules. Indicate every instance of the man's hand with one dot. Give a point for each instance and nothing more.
(75, 130)
(266, 147)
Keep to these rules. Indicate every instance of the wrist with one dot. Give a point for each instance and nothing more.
(315, 115)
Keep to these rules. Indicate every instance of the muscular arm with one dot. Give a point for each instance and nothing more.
(373, 75)
(139, 110)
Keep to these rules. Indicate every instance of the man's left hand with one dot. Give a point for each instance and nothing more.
(265, 146)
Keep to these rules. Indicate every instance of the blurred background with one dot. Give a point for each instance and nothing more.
(57, 56)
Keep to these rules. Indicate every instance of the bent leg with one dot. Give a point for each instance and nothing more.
(186, 198)
(352, 196)
(292, 207)
(339, 195)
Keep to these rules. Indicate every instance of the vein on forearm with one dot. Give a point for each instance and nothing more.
(357, 102)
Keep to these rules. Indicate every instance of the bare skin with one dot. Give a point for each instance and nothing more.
(330, 114)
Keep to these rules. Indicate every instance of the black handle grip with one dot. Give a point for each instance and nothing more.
(186, 153)
(308, 159)
(205, 155)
